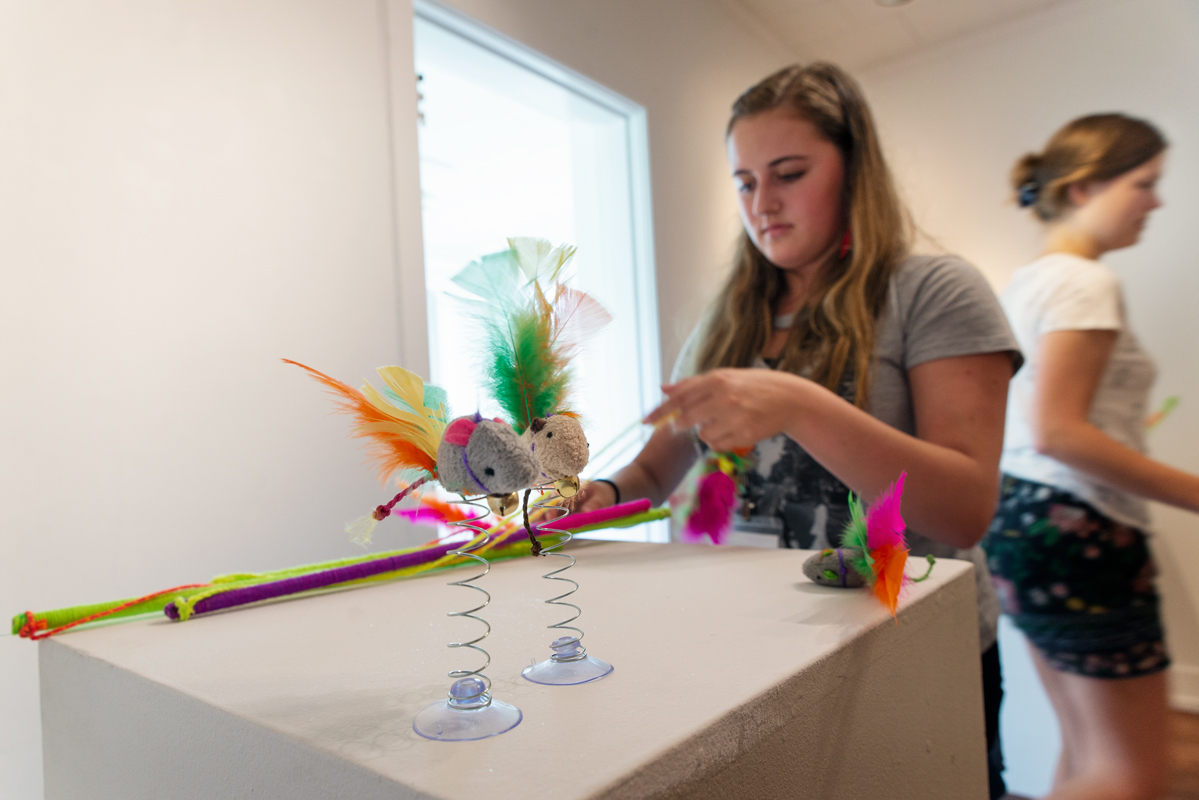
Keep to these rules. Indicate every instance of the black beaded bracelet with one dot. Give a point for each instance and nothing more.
(615, 488)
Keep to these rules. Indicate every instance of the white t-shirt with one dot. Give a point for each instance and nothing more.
(1061, 292)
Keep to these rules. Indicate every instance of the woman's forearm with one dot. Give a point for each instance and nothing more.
(958, 404)
(948, 495)
(658, 468)
(1089, 450)
(1072, 364)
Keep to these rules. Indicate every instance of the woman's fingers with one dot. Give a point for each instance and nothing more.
(668, 408)
(720, 435)
(682, 401)
(730, 408)
(593, 496)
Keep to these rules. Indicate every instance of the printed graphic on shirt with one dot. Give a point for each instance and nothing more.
(789, 494)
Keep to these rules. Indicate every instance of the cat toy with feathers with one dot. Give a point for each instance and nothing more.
(533, 324)
(414, 441)
(873, 550)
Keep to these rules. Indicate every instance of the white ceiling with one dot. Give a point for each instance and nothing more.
(860, 33)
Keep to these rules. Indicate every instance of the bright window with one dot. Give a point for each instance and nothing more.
(512, 144)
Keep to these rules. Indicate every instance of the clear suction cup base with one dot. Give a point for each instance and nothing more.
(468, 714)
(569, 665)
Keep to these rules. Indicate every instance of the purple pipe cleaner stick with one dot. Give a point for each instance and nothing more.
(368, 569)
(315, 580)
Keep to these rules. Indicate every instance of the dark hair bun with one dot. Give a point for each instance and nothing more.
(1026, 179)
(1097, 147)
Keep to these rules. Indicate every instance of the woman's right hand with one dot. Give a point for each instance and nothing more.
(593, 496)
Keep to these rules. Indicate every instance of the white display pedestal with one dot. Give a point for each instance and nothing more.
(735, 678)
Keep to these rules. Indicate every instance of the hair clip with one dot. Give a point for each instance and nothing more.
(1027, 194)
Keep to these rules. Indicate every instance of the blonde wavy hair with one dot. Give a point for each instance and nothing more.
(835, 329)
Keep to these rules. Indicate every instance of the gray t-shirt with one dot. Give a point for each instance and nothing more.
(937, 307)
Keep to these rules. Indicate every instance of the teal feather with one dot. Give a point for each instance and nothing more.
(436, 397)
(495, 279)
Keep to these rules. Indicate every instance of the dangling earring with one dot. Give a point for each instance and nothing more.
(846, 244)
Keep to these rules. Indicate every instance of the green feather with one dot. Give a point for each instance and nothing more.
(524, 377)
(854, 538)
(524, 374)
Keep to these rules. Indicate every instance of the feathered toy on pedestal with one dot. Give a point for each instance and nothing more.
(413, 441)
(533, 324)
(873, 550)
(708, 509)
(407, 424)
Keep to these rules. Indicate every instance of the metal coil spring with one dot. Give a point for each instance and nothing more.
(483, 697)
(544, 503)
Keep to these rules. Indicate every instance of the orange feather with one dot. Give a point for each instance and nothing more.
(390, 436)
(889, 561)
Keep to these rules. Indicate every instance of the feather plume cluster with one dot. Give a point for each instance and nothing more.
(715, 502)
(875, 545)
(530, 332)
(709, 510)
(403, 423)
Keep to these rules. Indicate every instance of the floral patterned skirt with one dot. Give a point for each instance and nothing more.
(1079, 584)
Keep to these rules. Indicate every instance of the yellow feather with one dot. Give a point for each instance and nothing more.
(423, 431)
(408, 385)
(538, 259)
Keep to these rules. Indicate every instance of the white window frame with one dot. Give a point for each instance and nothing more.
(646, 362)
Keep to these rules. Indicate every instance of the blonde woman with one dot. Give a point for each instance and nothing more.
(1068, 547)
(841, 358)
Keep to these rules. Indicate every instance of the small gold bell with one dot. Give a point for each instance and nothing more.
(568, 487)
(503, 504)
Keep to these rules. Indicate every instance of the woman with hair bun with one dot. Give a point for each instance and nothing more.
(1067, 549)
(839, 357)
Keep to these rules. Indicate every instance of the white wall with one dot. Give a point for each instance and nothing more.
(955, 118)
(189, 192)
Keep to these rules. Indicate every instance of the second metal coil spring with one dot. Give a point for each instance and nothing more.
(544, 503)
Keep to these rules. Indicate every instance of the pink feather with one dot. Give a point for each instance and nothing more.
(712, 513)
(576, 317)
(884, 524)
(423, 515)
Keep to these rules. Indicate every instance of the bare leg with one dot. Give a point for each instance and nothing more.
(1068, 725)
(1114, 735)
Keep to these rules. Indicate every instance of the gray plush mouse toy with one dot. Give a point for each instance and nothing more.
(406, 421)
(560, 445)
(485, 456)
(833, 567)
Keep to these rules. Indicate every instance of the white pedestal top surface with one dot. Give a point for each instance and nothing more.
(698, 636)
